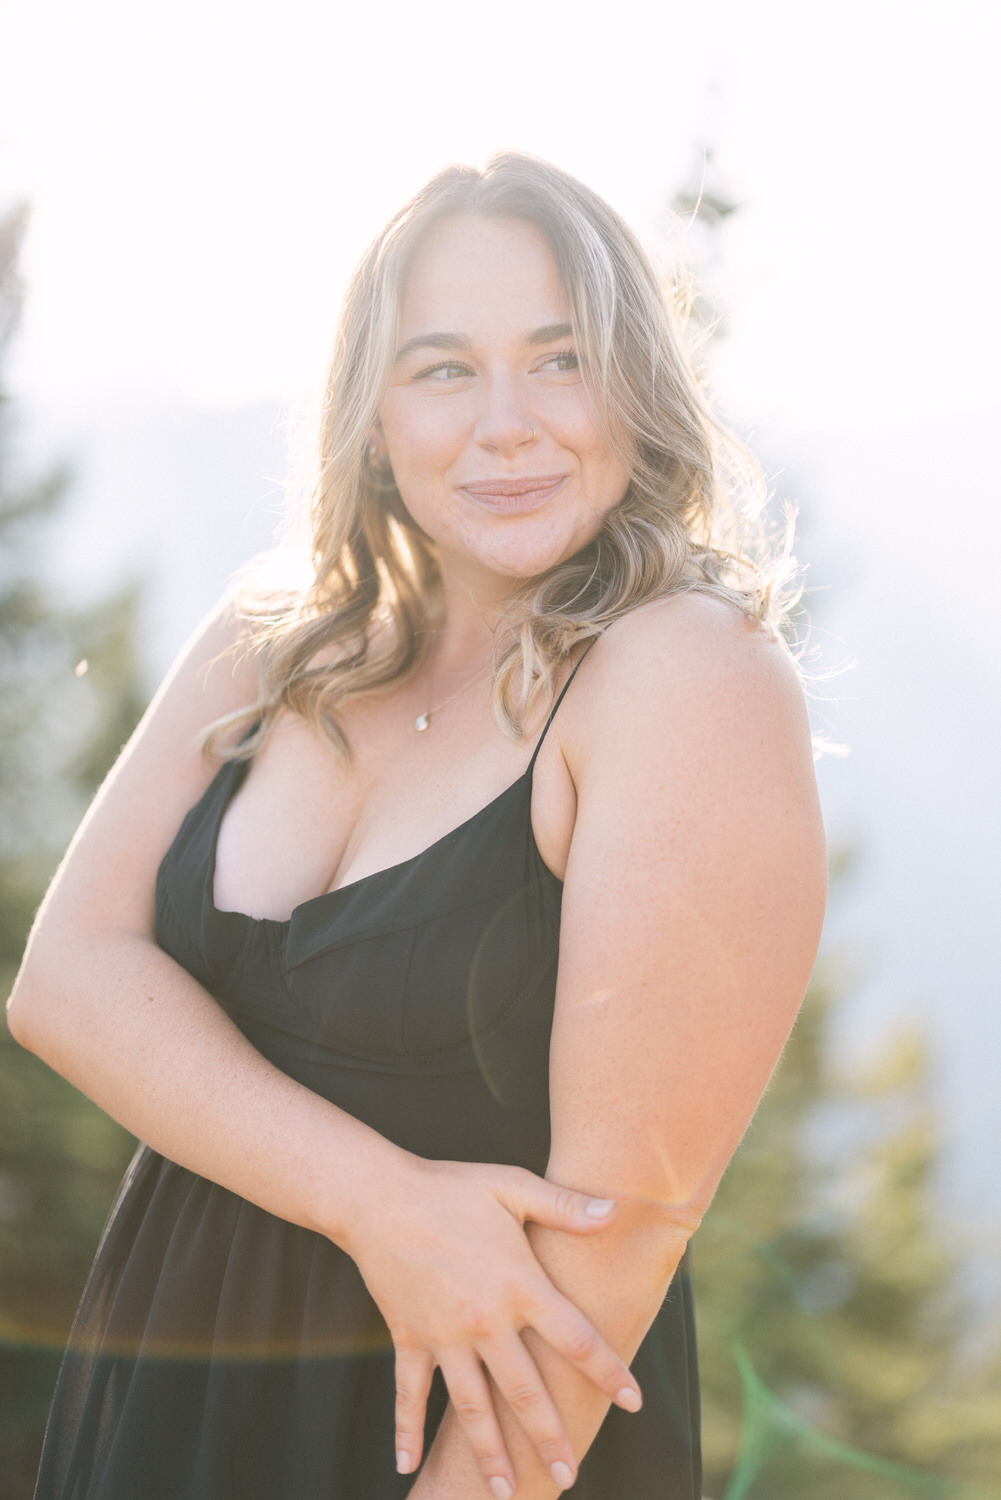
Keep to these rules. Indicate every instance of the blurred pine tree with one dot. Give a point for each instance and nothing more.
(69, 697)
(836, 1350)
(834, 1345)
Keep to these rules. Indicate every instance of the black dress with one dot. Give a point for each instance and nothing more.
(221, 1353)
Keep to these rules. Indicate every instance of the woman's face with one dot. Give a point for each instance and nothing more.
(494, 447)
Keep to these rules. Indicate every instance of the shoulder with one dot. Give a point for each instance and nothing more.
(214, 674)
(689, 739)
(686, 670)
(688, 633)
(108, 877)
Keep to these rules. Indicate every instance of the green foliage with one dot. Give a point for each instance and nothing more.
(835, 1347)
(836, 1352)
(61, 725)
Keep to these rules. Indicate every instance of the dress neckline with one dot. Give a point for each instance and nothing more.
(352, 886)
(525, 779)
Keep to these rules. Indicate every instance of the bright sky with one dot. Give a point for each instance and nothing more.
(203, 174)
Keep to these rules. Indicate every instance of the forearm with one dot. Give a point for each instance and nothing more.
(618, 1280)
(131, 1029)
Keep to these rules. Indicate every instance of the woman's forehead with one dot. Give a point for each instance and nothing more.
(469, 266)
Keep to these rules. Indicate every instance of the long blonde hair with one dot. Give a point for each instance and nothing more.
(687, 520)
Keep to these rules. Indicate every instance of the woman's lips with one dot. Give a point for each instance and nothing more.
(514, 497)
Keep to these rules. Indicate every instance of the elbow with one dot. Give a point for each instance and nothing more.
(656, 1232)
(20, 1011)
(647, 1231)
(647, 1207)
(32, 1007)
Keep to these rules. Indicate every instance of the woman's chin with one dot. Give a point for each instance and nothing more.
(521, 568)
(520, 559)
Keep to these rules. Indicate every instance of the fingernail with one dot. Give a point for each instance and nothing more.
(629, 1398)
(599, 1208)
(500, 1488)
(403, 1464)
(562, 1474)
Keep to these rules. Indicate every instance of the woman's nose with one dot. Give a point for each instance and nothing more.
(505, 421)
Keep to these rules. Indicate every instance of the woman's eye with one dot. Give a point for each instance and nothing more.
(564, 363)
(447, 371)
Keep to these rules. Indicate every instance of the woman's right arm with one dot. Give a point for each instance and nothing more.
(103, 1005)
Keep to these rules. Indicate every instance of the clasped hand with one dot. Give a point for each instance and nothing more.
(445, 1255)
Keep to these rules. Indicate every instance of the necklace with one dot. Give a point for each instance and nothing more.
(423, 721)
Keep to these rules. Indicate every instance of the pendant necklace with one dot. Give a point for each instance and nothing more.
(423, 720)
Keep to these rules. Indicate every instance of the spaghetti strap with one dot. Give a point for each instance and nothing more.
(555, 708)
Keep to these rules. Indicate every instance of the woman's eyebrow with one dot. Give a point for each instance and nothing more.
(550, 334)
(454, 342)
(457, 343)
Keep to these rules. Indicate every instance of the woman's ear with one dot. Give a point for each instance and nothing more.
(377, 467)
(376, 449)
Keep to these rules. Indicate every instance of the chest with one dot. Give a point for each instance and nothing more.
(444, 963)
(303, 821)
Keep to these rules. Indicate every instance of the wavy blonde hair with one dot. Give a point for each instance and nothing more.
(689, 518)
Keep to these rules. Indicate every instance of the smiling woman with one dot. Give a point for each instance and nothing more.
(439, 1041)
(497, 447)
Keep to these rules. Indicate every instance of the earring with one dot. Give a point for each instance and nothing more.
(378, 471)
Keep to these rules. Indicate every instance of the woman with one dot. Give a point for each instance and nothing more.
(386, 1132)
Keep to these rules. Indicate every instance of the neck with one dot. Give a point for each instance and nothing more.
(468, 625)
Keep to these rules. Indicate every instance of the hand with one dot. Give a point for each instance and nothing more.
(445, 1256)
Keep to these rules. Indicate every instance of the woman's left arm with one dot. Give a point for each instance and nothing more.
(692, 907)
